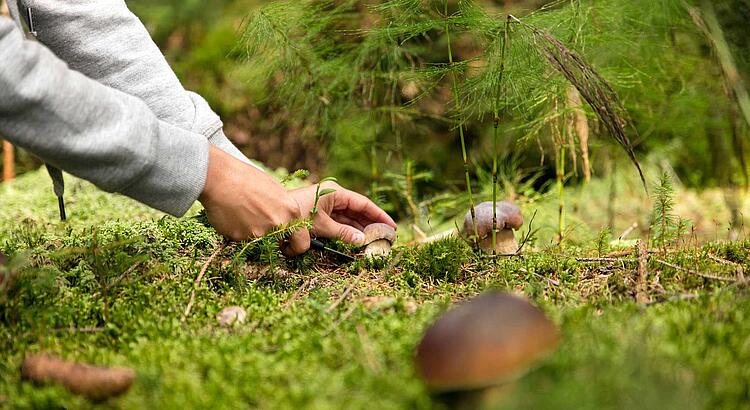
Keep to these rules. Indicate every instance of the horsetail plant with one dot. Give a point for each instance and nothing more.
(496, 126)
(457, 102)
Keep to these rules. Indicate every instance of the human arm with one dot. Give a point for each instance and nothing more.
(95, 132)
(108, 43)
(114, 140)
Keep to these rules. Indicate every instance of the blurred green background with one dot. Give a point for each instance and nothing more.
(666, 59)
(664, 68)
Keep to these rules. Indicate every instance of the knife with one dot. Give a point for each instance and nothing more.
(316, 244)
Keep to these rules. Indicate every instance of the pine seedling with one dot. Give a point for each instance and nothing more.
(602, 241)
(298, 175)
(664, 222)
(268, 245)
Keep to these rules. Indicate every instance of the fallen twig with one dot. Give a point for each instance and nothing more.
(346, 293)
(627, 232)
(80, 329)
(198, 281)
(692, 272)
(641, 290)
(607, 260)
(368, 350)
(551, 281)
(124, 274)
(528, 233)
(738, 268)
(297, 294)
(675, 298)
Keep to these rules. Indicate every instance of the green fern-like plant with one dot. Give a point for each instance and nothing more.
(664, 223)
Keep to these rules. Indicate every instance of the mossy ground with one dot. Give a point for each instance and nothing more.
(111, 287)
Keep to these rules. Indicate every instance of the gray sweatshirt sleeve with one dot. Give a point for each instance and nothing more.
(95, 132)
(106, 42)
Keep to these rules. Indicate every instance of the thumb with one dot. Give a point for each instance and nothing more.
(325, 227)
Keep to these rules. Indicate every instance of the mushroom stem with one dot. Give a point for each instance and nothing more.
(378, 248)
(439, 236)
(505, 243)
(479, 398)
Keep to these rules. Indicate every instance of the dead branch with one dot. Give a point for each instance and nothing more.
(198, 281)
(692, 272)
(738, 268)
(641, 288)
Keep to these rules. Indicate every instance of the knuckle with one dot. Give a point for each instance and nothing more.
(236, 235)
(343, 233)
(277, 220)
(292, 209)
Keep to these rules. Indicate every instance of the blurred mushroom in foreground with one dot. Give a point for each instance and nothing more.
(483, 345)
(509, 218)
(231, 315)
(94, 383)
(378, 239)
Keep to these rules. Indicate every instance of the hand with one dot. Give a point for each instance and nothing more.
(342, 214)
(242, 202)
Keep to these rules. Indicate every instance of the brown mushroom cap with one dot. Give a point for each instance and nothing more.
(508, 217)
(93, 382)
(486, 341)
(377, 231)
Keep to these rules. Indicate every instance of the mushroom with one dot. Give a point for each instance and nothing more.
(378, 239)
(509, 218)
(231, 315)
(482, 345)
(94, 383)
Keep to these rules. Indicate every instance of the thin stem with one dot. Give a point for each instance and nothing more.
(494, 180)
(373, 172)
(457, 101)
(314, 210)
(561, 193)
(410, 191)
(495, 137)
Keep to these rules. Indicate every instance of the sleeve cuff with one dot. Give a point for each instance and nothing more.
(177, 174)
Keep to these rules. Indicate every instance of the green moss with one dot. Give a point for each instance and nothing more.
(75, 295)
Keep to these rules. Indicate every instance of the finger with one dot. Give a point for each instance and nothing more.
(343, 219)
(298, 243)
(326, 227)
(359, 207)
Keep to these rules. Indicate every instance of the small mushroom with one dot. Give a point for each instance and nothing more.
(481, 345)
(509, 218)
(93, 382)
(378, 239)
(231, 315)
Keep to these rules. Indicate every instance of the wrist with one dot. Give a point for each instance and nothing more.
(213, 175)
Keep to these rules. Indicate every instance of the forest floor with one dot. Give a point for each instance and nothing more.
(113, 284)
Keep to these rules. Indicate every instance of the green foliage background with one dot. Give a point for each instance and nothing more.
(651, 51)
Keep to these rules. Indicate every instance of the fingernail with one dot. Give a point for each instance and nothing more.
(358, 238)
